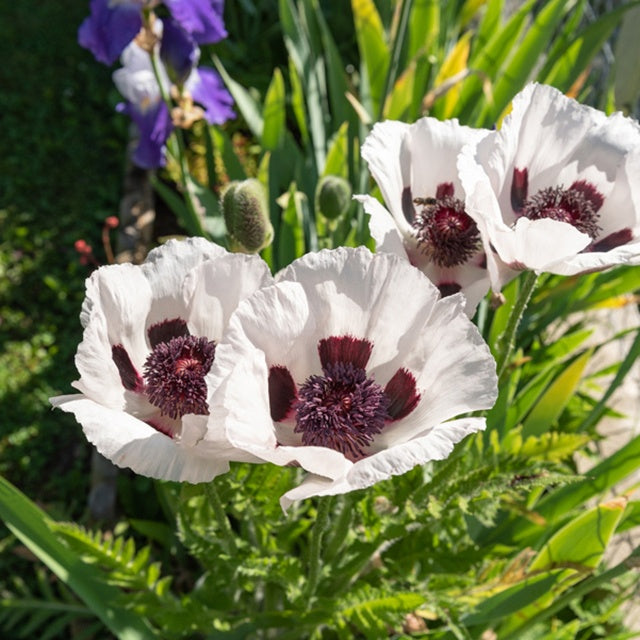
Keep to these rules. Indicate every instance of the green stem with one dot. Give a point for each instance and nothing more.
(226, 531)
(507, 340)
(315, 556)
(336, 536)
(192, 222)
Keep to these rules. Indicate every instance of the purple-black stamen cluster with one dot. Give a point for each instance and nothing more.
(571, 205)
(443, 229)
(174, 371)
(343, 409)
(579, 205)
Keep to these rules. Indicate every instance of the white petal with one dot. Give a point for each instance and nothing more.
(539, 244)
(215, 288)
(166, 268)
(119, 301)
(381, 150)
(454, 370)
(383, 228)
(431, 147)
(437, 445)
(129, 442)
(598, 260)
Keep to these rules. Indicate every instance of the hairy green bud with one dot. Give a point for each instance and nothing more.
(246, 214)
(333, 196)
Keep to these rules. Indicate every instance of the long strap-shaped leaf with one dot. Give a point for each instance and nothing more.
(31, 526)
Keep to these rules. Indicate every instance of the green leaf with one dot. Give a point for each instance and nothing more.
(578, 547)
(513, 78)
(291, 238)
(249, 108)
(582, 542)
(626, 55)
(309, 65)
(374, 53)
(555, 507)
(297, 102)
(423, 27)
(224, 146)
(32, 527)
(579, 54)
(555, 398)
(489, 24)
(335, 70)
(487, 60)
(514, 598)
(273, 113)
(337, 157)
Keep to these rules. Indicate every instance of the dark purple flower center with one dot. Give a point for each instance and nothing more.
(343, 409)
(174, 375)
(445, 233)
(174, 371)
(577, 205)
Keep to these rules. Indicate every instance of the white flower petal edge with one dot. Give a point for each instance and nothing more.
(377, 298)
(554, 143)
(130, 443)
(122, 302)
(437, 445)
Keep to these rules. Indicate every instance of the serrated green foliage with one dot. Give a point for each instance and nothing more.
(42, 609)
(126, 566)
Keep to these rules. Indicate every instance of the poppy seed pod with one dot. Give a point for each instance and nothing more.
(333, 196)
(246, 214)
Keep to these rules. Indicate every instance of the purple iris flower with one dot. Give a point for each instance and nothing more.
(178, 52)
(113, 24)
(139, 86)
(110, 28)
(201, 18)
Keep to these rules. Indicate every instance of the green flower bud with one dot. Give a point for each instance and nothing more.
(333, 196)
(246, 214)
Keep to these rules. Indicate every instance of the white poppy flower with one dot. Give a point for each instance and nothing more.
(415, 168)
(349, 366)
(556, 188)
(150, 335)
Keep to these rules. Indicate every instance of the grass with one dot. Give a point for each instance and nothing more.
(60, 176)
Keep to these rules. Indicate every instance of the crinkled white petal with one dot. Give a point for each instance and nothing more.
(215, 288)
(129, 442)
(365, 295)
(429, 151)
(383, 229)
(120, 301)
(436, 445)
(454, 371)
(558, 141)
(544, 133)
(381, 150)
(166, 269)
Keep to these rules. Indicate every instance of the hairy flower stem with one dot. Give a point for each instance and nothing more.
(315, 559)
(507, 340)
(224, 527)
(192, 223)
(336, 535)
